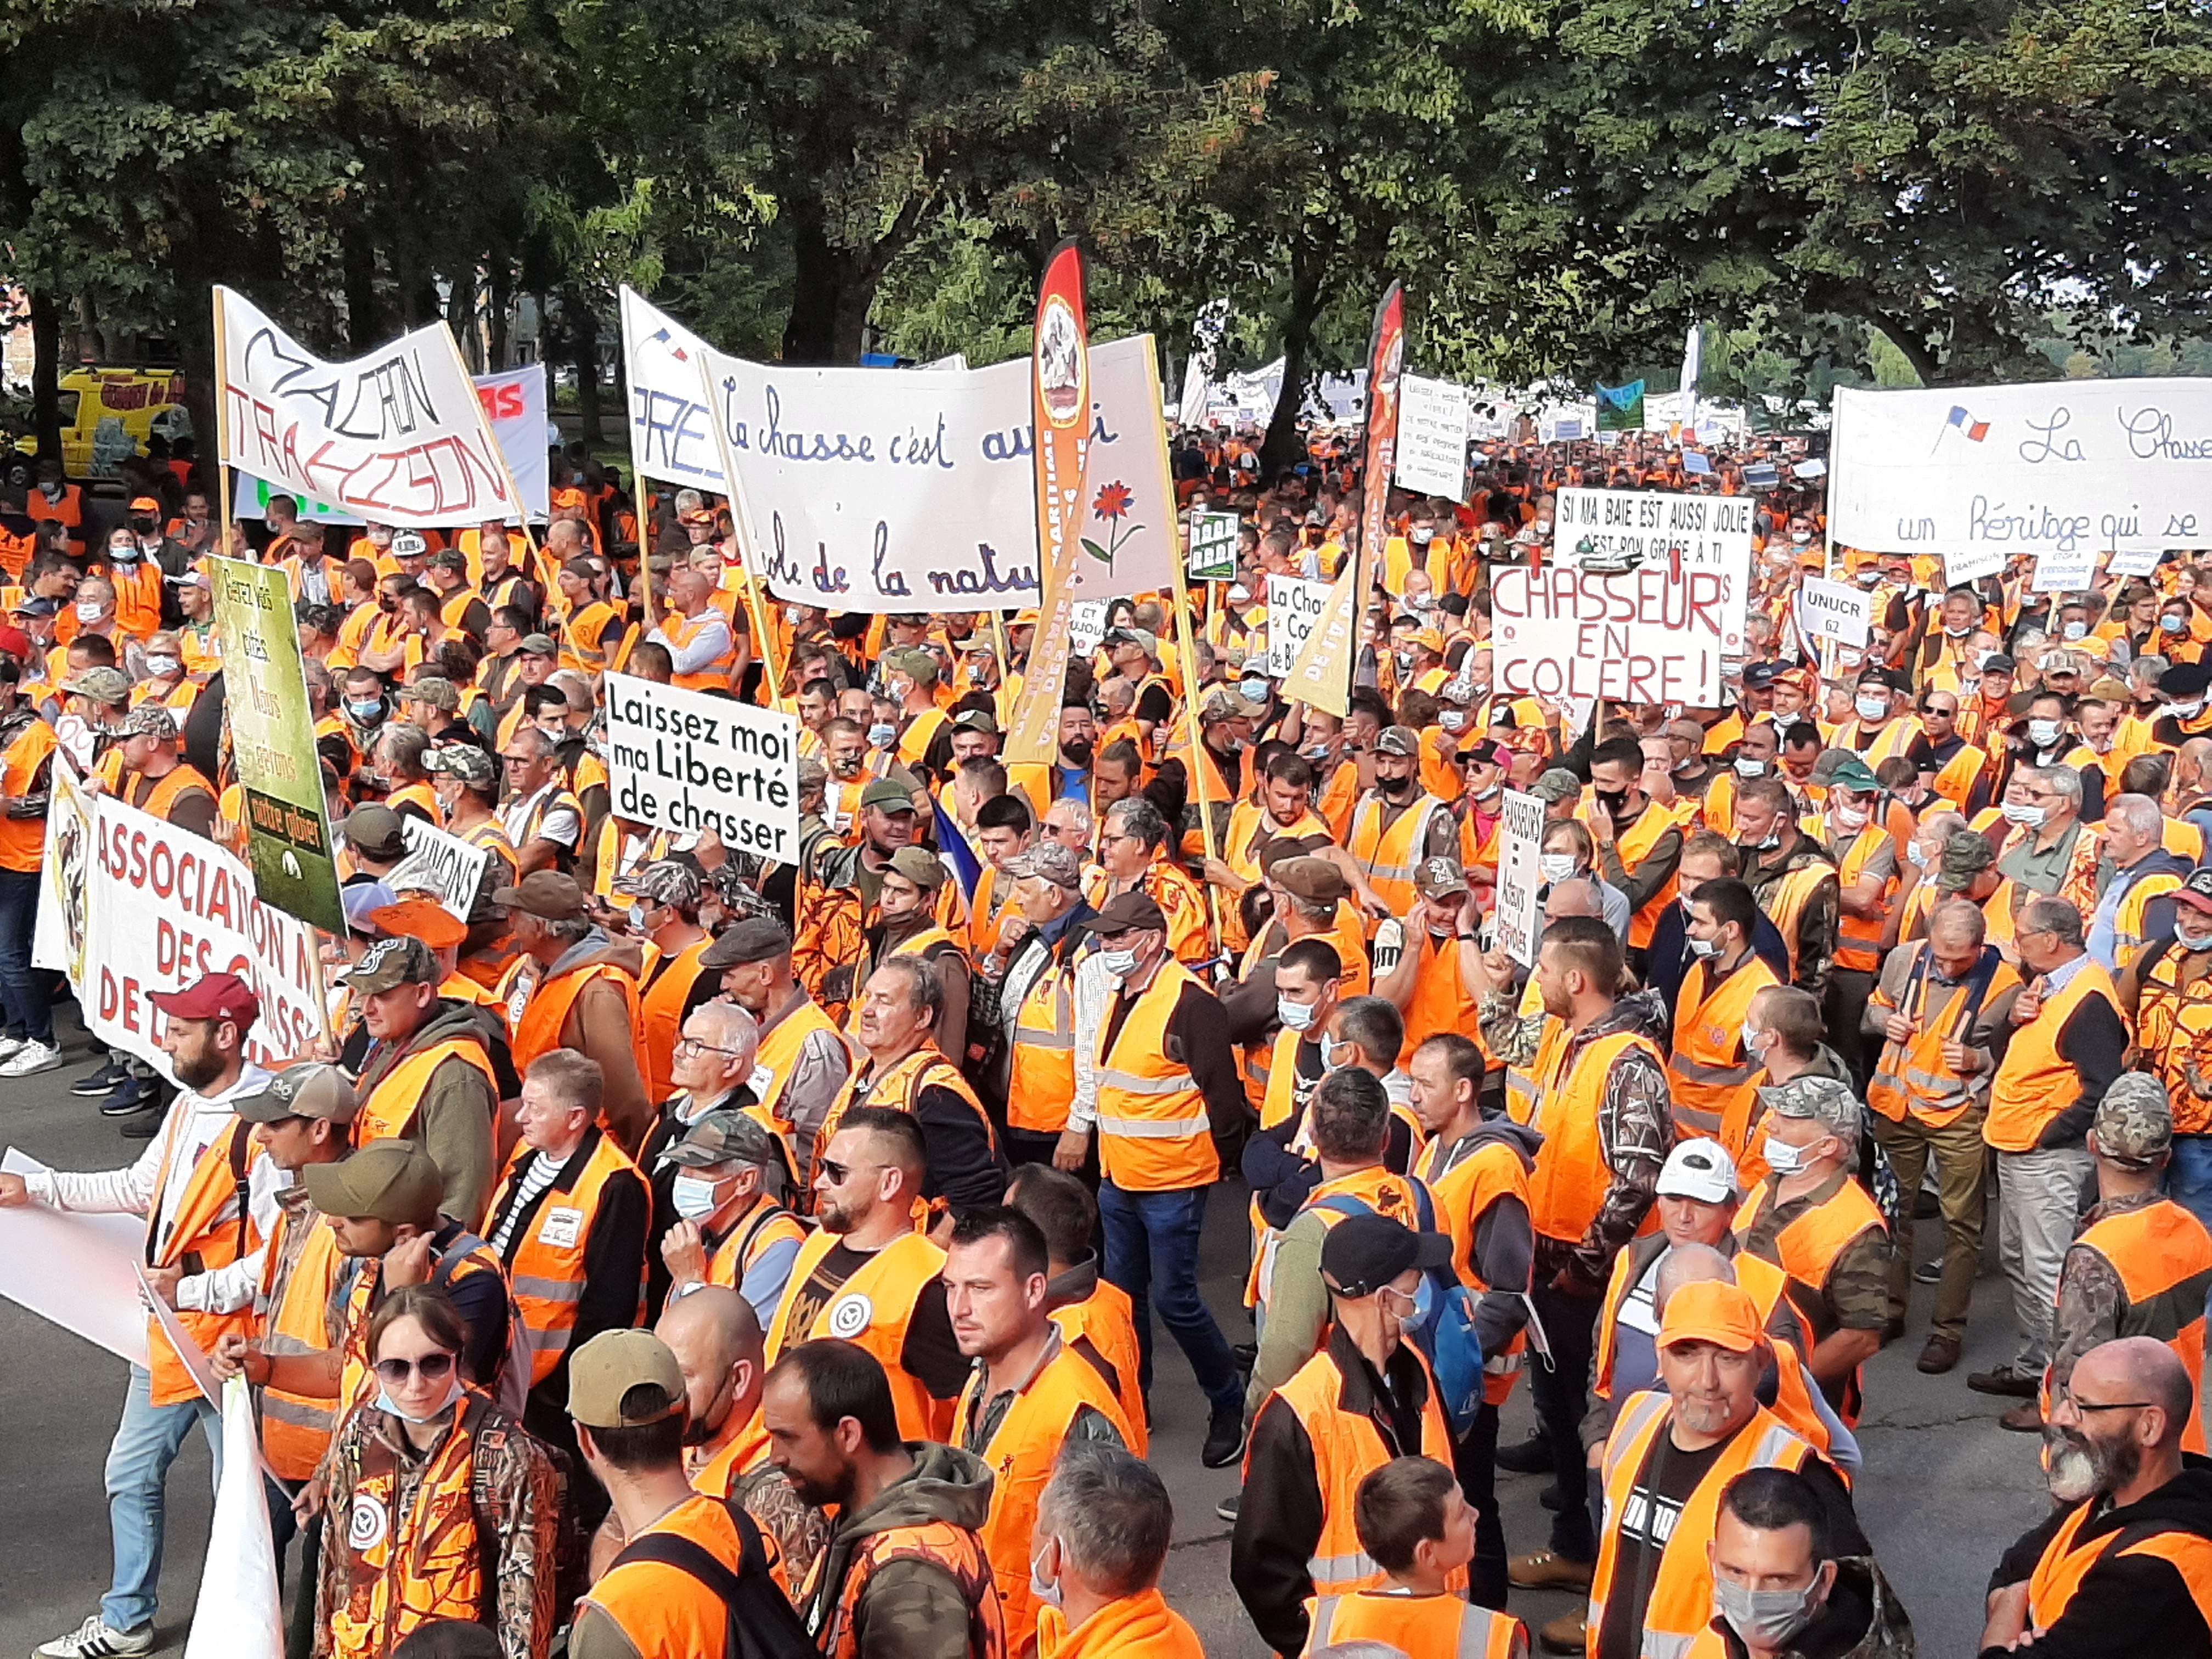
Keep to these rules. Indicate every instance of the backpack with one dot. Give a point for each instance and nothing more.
(1443, 1326)
(762, 1624)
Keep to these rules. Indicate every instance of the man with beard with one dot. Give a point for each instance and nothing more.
(1398, 826)
(2120, 1567)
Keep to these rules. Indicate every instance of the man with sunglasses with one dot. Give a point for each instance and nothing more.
(2124, 1564)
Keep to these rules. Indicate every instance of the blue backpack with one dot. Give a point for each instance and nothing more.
(1442, 1325)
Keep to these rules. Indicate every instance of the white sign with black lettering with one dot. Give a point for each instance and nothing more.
(685, 762)
(2064, 572)
(1835, 610)
(443, 865)
(1520, 874)
(1433, 418)
(1086, 626)
(1294, 606)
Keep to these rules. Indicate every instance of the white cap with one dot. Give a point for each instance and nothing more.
(1701, 1170)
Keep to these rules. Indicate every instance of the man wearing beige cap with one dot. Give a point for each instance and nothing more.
(1397, 824)
(154, 778)
(1052, 996)
(574, 986)
(925, 732)
(907, 925)
(692, 1582)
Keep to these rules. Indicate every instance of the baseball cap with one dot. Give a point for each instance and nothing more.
(1225, 702)
(976, 720)
(2196, 891)
(1315, 881)
(1827, 1100)
(100, 684)
(410, 544)
(212, 996)
(1999, 662)
(1711, 1310)
(727, 1135)
(148, 720)
(1134, 908)
(1143, 637)
(602, 1373)
(464, 761)
(144, 504)
(392, 1180)
(664, 881)
(758, 938)
(1434, 878)
(1556, 785)
(433, 691)
(539, 645)
(373, 830)
(309, 1090)
(1699, 1168)
(2134, 1121)
(921, 866)
(546, 894)
(1758, 675)
(416, 916)
(1050, 861)
(1399, 740)
(2184, 679)
(1488, 751)
(1966, 854)
(1852, 774)
(400, 960)
(450, 559)
(362, 899)
(1362, 1253)
(888, 794)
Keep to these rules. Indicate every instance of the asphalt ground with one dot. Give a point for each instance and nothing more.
(1945, 1489)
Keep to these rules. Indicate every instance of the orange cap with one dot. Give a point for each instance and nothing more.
(421, 917)
(1712, 1311)
(568, 496)
(144, 504)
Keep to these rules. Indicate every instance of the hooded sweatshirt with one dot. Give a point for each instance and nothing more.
(1861, 1618)
(911, 1608)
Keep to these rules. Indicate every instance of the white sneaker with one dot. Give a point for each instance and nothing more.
(9, 1045)
(93, 1639)
(30, 1059)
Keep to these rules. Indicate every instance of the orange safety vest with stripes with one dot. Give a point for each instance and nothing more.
(1572, 1175)
(2164, 1258)
(1910, 1077)
(872, 1309)
(544, 1255)
(2034, 1082)
(295, 1428)
(1154, 1132)
(1464, 1189)
(898, 1087)
(1635, 845)
(1441, 1626)
(1102, 1328)
(661, 1012)
(1391, 855)
(1858, 944)
(1710, 1075)
(212, 1228)
(536, 1025)
(1041, 1083)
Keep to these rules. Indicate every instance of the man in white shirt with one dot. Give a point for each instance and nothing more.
(177, 1180)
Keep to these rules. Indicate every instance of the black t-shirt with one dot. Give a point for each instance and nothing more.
(928, 1354)
(1155, 705)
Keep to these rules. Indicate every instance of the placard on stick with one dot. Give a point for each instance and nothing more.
(685, 762)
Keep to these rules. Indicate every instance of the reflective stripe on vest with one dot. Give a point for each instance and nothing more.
(2035, 1083)
(390, 1108)
(545, 1259)
(1154, 1132)
(1041, 1086)
(1571, 1175)
(1911, 1076)
(1443, 1626)
(1709, 1073)
(295, 1429)
(214, 1223)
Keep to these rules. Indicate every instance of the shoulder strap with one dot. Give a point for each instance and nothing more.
(760, 1621)
(241, 1181)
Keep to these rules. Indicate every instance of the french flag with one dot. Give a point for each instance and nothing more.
(1975, 430)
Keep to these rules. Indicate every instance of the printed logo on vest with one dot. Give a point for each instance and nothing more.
(368, 1524)
(851, 1315)
(563, 1227)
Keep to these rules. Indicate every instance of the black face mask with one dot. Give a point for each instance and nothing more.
(144, 526)
(1612, 799)
(388, 604)
(1396, 786)
(1077, 753)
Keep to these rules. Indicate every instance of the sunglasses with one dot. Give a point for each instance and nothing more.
(431, 1368)
(838, 1174)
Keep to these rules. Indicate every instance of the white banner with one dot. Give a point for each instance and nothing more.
(1433, 433)
(2062, 466)
(2135, 561)
(398, 435)
(239, 1615)
(1961, 566)
(1294, 606)
(163, 908)
(1520, 874)
(60, 933)
(683, 761)
(669, 437)
(443, 865)
(1660, 602)
(78, 1271)
(1835, 610)
(863, 491)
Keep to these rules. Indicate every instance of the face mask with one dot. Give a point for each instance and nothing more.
(1799, 537)
(1316, 751)
(1958, 632)
(1556, 866)
(1256, 690)
(880, 735)
(386, 1403)
(1704, 947)
(1751, 1040)
(794, 615)
(1491, 793)
(162, 667)
(1120, 963)
(2203, 942)
(366, 712)
(1867, 578)
(2172, 625)
(1612, 799)
(1765, 1618)
(693, 1197)
(1239, 595)
(1773, 839)
(1046, 1590)
(1335, 1056)
(2186, 711)
(127, 554)
(1543, 526)
(1851, 817)
(1872, 709)
(87, 610)
(1919, 858)
(2074, 631)
(1421, 535)
(1453, 720)
(2032, 816)
(1747, 767)
(1294, 1016)
(1780, 1157)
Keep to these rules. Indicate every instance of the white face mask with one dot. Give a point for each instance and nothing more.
(162, 667)
(384, 1402)
(1294, 1016)
(1704, 947)
(1873, 708)
(1780, 1157)
(693, 1197)
(1046, 1590)
(1851, 817)
(2186, 711)
(2200, 942)
(2074, 631)
(87, 610)
(1919, 857)
(1556, 866)
(2043, 733)
(1238, 594)
(1453, 720)
(1118, 964)
(1750, 1035)
(1747, 767)
(2023, 813)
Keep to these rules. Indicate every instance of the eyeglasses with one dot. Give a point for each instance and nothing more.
(2087, 1408)
(839, 1174)
(691, 1045)
(431, 1368)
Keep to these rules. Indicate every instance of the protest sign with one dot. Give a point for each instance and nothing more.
(1645, 596)
(513, 402)
(1433, 435)
(1835, 610)
(1213, 547)
(2051, 466)
(683, 761)
(863, 491)
(1294, 606)
(398, 435)
(670, 438)
(1520, 874)
(237, 1615)
(272, 735)
(1086, 625)
(77, 1271)
(2135, 561)
(2057, 572)
(1971, 564)
(1621, 408)
(59, 936)
(166, 907)
(437, 863)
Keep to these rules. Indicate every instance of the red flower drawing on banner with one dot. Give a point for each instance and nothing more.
(1114, 503)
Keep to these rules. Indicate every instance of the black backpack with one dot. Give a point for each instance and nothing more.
(762, 1624)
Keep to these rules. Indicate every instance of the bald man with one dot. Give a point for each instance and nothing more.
(2127, 1506)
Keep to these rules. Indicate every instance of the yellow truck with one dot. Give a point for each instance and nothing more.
(109, 414)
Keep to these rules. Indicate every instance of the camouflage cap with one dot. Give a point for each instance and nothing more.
(1435, 878)
(664, 881)
(2134, 1121)
(1965, 855)
(1828, 1099)
(730, 1135)
(148, 720)
(433, 691)
(813, 773)
(464, 761)
(1401, 740)
(391, 962)
(1049, 860)
(1556, 785)
(921, 866)
(109, 685)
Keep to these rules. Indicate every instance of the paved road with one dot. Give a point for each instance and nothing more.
(1944, 1489)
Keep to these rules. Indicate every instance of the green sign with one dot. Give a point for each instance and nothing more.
(1213, 547)
(272, 743)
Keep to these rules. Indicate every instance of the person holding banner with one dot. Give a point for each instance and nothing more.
(209, 1200)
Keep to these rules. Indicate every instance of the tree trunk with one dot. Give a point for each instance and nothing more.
(582, 329)
(461, 317)
(1283, 449)
(46, 372)
(500, 304)
(1910, 345)
(834, 289)
(365, 328)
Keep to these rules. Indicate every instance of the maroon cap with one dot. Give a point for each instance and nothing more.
(214, 996)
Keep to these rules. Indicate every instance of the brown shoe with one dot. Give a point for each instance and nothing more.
(1941, 1355)
(1546, 1570)
(2025, 1417)
(1564, 1634)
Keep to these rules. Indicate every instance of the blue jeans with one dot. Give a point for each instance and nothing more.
(2189, 1176)
(23, 1005)
(146, 1441)
(1151, 1252)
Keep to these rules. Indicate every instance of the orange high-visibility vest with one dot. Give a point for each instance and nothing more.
(295, 1428)
(1710, 1075)
(2164, 1258)
(138, 597)
(1102, 1328)
(1681, 1598)
(1391, 855)
(2066, 1561)
(1021, 1452)
(2034, 1082)
(544, 1260)
(2173, 1032)
(1441, 1000)
(664, 1611)
(660, 1011)
(1449, 1627)
(158, 797)
(1910, 1077)
(1786, 904)
(23, 840)
(767, 1224)
(1139, 1626)
(872, 1309)
(1634, 845)
(1807, 1249)
(1571, 1176)
(1154, 1134)
(1042, 1085)
(778, 1058)
(388, 1111)
(212, 1228)
(899, 1087)
(538, 1025)
(955, 1549)
(679, 631)
(1464, 1191)
(1859, 944)
(1397, 1196)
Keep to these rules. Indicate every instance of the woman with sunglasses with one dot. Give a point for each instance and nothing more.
(443, 1507)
